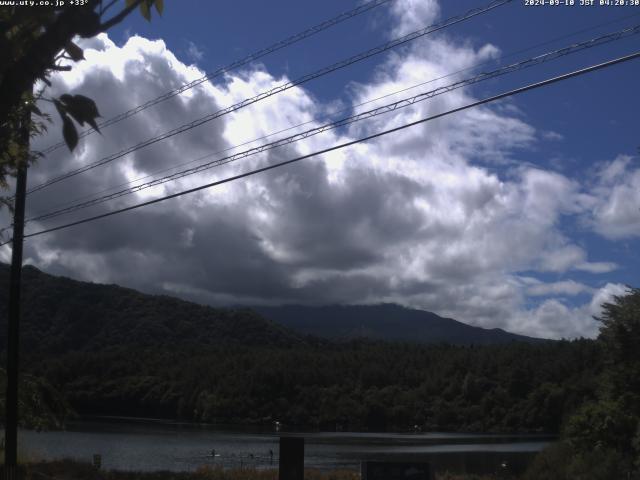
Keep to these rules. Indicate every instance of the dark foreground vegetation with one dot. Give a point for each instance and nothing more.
(352, 386)
(71, 470)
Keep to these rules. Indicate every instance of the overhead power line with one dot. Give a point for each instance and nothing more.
(403, 103)
(365, 7)
(516, 91)
(281, 88)
(497, 60)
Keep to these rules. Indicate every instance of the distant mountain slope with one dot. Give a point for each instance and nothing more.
(62, 315)
(384, 322)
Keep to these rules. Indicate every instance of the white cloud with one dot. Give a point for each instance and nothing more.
(605, 295)
(616, 197)
(597, 267)
(194, 52)
(556, 319)
(572, 257)
(552, 136)
(412, 15)
(565, 287)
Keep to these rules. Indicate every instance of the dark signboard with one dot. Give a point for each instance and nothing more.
(395, 471)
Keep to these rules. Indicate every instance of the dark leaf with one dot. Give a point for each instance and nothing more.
(36, 110)
(74, 51)
(159, 6)
(93, 124)
(87, 105)
(69, 133)
(145, 10)
(82, 109)
(62, 110)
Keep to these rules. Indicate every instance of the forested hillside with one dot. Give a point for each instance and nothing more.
(358, 385)
(114, 351)
(62, 315)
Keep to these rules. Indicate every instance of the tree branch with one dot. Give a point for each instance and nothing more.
(119, 17)
(111, 4)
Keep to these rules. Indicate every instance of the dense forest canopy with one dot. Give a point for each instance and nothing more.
(357, 385)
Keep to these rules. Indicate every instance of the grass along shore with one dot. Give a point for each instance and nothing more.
(74, 470)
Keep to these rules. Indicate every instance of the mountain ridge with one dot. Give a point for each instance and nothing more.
(63, 314)
(387, 322)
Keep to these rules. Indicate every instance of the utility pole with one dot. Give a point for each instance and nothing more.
(13, 336)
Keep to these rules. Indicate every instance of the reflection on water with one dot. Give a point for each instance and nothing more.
(177, 447)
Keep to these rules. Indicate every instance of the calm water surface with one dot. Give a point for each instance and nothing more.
(179, 447)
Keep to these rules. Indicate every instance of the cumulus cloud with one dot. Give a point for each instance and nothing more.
(441, 216)
(555, 318)
(616, 210)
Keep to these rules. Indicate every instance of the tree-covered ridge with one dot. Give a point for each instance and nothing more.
(115, 351)
(60, 315)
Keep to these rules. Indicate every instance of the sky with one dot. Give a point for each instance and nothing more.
(522, 214)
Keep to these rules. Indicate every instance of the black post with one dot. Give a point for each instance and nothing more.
(13, 336)
(291, 464)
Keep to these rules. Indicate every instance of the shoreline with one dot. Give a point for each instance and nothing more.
(296, 430)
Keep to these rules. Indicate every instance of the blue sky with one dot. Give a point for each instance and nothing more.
(555, 168)
(225, 32)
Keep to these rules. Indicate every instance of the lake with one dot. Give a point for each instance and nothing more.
(148, 445)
